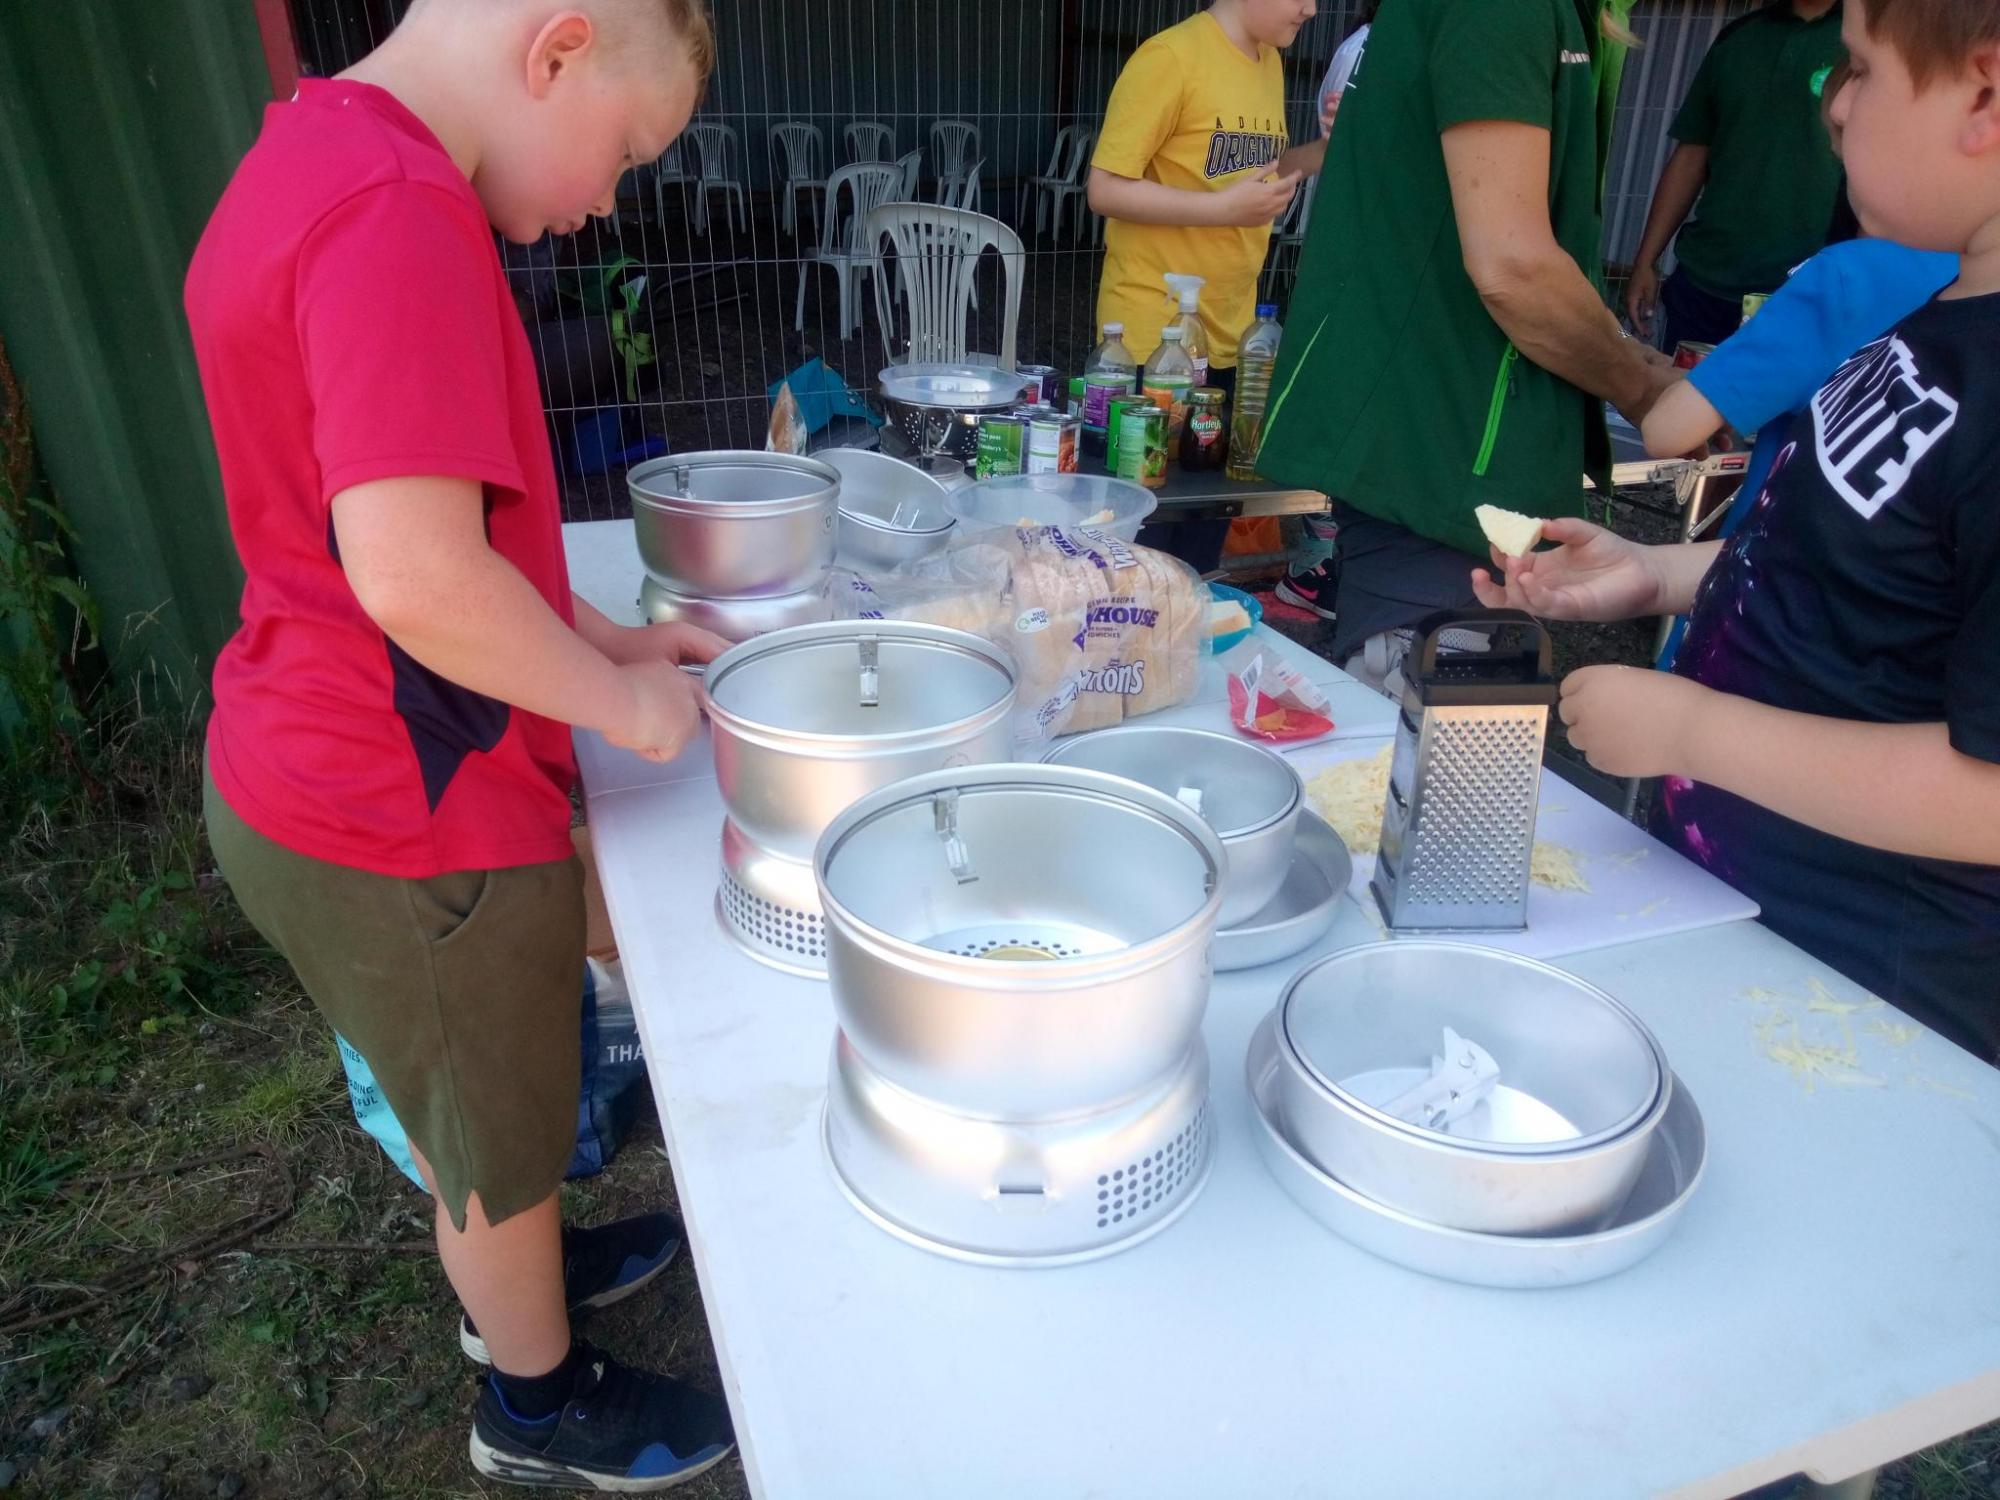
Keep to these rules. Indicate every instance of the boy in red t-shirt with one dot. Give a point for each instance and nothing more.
(389, 758)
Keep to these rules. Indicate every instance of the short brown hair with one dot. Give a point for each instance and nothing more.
(691, 20)
(1933, 37)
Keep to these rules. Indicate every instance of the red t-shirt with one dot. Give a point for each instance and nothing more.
(352, 322)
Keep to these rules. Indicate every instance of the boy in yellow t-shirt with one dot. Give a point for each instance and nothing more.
(1192, 167)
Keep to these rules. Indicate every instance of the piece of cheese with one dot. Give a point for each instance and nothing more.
(1226, 617)
(1508, 530)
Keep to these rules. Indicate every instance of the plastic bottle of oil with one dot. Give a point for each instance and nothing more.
(1256, 358)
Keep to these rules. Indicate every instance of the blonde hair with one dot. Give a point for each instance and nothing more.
(696, 30)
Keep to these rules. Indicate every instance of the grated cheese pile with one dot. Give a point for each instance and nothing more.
(1350, 797)
(1556, 867)
(1813, 1058)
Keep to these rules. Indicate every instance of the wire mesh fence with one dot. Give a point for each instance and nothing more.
(735, 290)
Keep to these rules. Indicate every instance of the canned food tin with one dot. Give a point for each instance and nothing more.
(1075, 404)
(1689, 353)
(1003, 438)
(1040, 385)
(1142, 443)
(1114, 418)
(1052, 441)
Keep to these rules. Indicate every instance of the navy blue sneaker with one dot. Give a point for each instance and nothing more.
(622, 1432)
(601, 1266)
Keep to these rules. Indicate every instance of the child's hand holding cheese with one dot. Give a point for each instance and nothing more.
(1591, 574)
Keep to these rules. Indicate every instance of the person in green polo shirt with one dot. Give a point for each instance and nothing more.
(1752, 148)
(1446, 346)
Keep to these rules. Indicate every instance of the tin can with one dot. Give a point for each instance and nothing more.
(1052, 441)
(1689, 353)
(1114, 417)
(1003, 438)
(1074, 406)
(1753, 303)
(1205, 435)
(1142, 443)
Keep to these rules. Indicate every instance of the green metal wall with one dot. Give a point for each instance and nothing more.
(120, 121)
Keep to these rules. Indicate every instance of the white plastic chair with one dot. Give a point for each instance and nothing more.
(844, 243)
(969, 189)
(868, 141)
(669, 171)
(938, 250)
(798, 163)
(720, 158)
(912, 168)
(954, 143)
(1062, 180)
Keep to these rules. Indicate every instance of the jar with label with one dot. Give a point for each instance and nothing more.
(1205, 434)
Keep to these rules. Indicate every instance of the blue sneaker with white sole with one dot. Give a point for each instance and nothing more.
(621, 1432)
(601, 1266)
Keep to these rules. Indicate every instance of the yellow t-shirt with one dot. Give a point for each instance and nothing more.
(1190, 111)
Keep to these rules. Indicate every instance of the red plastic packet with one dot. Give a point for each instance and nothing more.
(1287, 707)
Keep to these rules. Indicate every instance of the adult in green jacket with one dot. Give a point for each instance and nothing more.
(1448, 345)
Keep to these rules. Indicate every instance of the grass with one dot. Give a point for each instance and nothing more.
(161, 1078)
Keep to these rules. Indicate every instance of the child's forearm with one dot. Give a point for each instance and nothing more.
(416, 556)
(1680, 421)
(1138, 200)
(1899, 787)
(1680, 568)
(1307, 158)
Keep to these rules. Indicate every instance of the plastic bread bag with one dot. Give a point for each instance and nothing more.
(1100, 630)
(789, 433)
(1269, 700)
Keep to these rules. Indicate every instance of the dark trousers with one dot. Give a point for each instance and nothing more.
(1692, 314)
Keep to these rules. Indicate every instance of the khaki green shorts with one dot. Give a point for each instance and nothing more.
(463, 991)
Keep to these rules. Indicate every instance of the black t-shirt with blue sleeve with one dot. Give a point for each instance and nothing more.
(1865, 584)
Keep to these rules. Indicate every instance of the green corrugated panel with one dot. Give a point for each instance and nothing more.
(120, 121)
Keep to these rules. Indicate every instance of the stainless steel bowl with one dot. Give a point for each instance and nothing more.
(808, 720)
(891, 512)
(1555, 1148)
(934, 409)
(1248, 795)
(1019, 942)
(734, 619)
(734, 525)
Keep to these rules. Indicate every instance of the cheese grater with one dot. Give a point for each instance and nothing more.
(1458, 828)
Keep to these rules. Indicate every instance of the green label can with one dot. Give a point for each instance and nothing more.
(1002, 437)
(1142, 443)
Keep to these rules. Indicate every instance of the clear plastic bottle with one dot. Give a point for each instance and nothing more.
(1109, 362)
(1256, 358)
(1186, 290)
(1168, 379)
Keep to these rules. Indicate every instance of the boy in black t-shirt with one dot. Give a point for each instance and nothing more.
(1831, 736)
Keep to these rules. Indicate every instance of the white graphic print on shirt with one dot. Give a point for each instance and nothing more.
(1874, 420)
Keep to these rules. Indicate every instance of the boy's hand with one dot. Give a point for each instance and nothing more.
(670, 643)
(1254, 201)
(1642, 298)
(1593, 575)
(665, 710)
(1632, 721)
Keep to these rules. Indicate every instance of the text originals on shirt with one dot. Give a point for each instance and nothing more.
(1235, 150)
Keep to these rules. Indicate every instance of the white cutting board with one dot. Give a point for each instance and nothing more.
(1639, 888)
